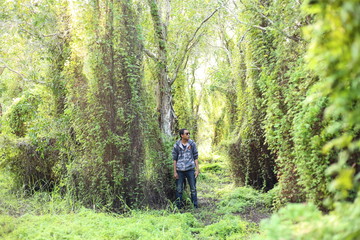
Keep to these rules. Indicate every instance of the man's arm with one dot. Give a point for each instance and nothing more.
(175, 155)
(195, 156)
(195, 152)
(175, 172)
(197, 170)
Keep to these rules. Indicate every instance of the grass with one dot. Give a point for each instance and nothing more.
(49, 216)
(87, 224)
(18, 203)
(241, 199)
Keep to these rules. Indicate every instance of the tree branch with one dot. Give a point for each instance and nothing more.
(158, 24)
(167, 18)
(272, 23)
(38, 35)
(151, 55)
(202, 23)
(14, 71)
(281, 31)
(245, 23)
(50, 35)
(188, 46)
(226, 45)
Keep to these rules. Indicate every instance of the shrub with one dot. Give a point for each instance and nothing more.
(305, 221)
(31, 162)
(17, 118)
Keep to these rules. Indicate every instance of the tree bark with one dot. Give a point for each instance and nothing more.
(165, 108)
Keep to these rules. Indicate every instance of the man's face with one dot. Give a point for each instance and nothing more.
(186, 135)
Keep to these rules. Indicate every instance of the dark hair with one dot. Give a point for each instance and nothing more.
(181, 132)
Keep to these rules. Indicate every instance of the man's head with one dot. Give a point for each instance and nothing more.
(184, 134)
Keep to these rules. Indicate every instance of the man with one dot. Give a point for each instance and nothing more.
(186, 165)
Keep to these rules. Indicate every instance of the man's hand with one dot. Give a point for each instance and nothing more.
(196, 173)
(176, 176)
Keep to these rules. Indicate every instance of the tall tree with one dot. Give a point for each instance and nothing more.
(169, 63)
(107, 106)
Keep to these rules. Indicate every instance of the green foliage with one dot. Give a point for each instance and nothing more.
(138, 225)
(77, 121)
(78, 95)
(90, 225)
(32, 165)
(115, 166)
(340, 74)
(16, 202)
(182, 107)
(7, 225)
(30, 147)
(283, 82)
(46, 215)
(309, 137)
(339, 69)
(21, 112)
(27, 31)
(252, 162)
(287, 111)
(305, 221)
(329, 110)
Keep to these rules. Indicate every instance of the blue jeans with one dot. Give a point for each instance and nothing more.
(190, 176)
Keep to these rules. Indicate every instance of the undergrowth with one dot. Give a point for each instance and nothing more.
(305, 221)
(87, 224)
(49, 215)
(226, 212)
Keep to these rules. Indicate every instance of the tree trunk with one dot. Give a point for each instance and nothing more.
(165, 108)
(167, 115)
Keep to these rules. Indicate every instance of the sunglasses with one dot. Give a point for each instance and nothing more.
(187, 133)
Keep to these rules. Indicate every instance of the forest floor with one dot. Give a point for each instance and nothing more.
(218, 196)
(225, 212)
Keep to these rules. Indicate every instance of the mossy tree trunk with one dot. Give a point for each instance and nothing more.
(109, 120)
(164, 95)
